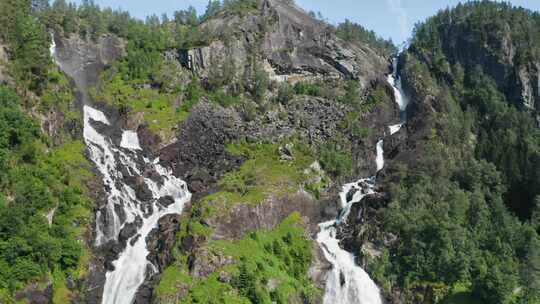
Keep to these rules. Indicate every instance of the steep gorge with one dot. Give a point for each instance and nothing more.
(220, 147)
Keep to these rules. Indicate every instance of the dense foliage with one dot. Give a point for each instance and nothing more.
(28, 42)
(356, 33)
(266, 267)
(510, 39)
(43, 209)
(456, 213)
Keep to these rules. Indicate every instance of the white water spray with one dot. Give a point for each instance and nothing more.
(118, 164)
(131, 268)
(348, 283)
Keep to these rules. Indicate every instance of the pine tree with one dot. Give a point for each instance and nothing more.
(531, 271)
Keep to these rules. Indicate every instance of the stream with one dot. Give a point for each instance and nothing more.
(348, 283)
(129, 216)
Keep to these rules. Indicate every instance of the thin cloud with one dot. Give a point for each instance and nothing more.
(403, 18)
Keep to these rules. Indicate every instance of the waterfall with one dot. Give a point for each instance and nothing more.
(128, 217)
(348, 283)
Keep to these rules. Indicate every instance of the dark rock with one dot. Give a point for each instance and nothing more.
(144, 293)
(199, 156)
(111, 250)
(129, 230)
(134, 239)
(161, 241)
(285, 152)
(36, 295)
(188, 243)
(142, 191)
(361, 229)
(350, 194)
(147, 139)
(166, 201)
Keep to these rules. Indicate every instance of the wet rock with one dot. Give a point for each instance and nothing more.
(119, 210)
(360, 232)
(151, 174)
(142, 191)
(111, 250)
(161, 241)
(129, 230)
(144, 293)
(350, 194)
(134, 239)
(83, 60)
(166, 201)
(342, 279)
(319, 267)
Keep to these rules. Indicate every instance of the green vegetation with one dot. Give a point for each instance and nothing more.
(335, 160)
(462, 215)
(356, 33)
(263, 174)
(266, 267)
(29, 43)
(35, 184)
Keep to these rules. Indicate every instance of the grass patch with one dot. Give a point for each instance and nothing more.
(269, 266)
(461, 294)
(264, 173)
(158, 108)
(61, 293)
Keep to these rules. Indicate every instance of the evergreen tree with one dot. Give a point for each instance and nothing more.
(531, 271)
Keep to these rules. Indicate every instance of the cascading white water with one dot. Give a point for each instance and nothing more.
(348, 283)
(130, 269)
(401, 99)
(119, 164)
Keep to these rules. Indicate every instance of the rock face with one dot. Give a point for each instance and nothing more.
(313, 118)
(243, 219)
(199, 155)
(293, 46)
(83, 60)
(289, 45)
(500, 55)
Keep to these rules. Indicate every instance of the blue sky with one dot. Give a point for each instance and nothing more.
(389, 18)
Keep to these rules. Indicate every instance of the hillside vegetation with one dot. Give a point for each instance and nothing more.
(466, 216)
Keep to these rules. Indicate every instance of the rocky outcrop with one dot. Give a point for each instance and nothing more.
(199, 155)
(244, 218)
(313, 118)
(288, 42)
(36, 294)
(498, 52)
(83, 59)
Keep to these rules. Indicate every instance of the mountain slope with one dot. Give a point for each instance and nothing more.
(463, 182)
